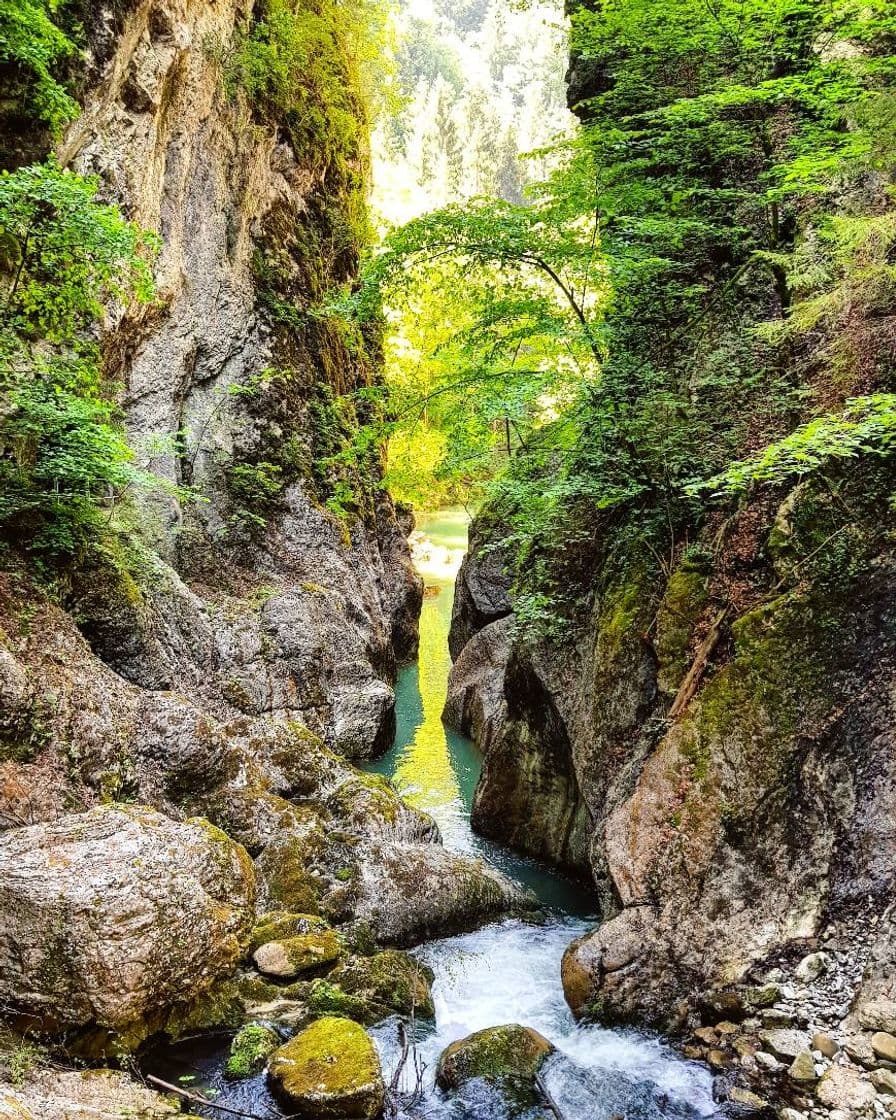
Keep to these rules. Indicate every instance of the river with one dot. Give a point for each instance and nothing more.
(508, 972)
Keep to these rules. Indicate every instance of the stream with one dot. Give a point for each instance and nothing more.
(508, 972)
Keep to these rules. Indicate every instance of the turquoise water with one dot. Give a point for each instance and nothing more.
(435, 768)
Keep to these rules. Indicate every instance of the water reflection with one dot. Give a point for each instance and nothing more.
(435, 768)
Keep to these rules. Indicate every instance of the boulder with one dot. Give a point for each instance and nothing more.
(249, 1051)
(475, 700)
(843, 1088)
(298, 956)
(329, 1070)
(115, 916)
(411, 892)
(783, 1043)
(73, 1095)
(496, 1054)
(369, 989)
(884, 1046)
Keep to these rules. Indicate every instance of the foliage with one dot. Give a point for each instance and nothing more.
(64, 256)
(866, 425)
(313, 67)
(709, 268)
(34, 45)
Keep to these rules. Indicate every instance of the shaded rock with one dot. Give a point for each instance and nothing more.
(495, 1054)
(114, 916)
(298, 956)
(475, 702)
(249, 1051)
(748, 1100)
(884, 1080)
(590, 962)
(410, 892)
(329, 1070)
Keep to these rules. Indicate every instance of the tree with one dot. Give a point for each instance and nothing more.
(64, 256)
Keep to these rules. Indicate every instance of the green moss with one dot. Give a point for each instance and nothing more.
(496, 1054)
(333, 1066)
(295, 956)
(249, 1051)
(682, 605)
(277, 926)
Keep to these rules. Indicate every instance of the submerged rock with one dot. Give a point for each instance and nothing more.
(330, 1070)
(113, 917)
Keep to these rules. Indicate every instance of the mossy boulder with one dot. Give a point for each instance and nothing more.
(369, 989)
(278, 926)
(509, 1055)
(330, 1070)
(249, 1051)
(298, 956)
(284, 869)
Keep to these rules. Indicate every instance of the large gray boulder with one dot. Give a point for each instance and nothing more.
(111, 918)
(411, 892)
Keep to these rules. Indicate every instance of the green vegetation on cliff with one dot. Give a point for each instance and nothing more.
(700, 299)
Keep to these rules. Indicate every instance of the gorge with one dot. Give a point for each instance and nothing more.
(309, 804)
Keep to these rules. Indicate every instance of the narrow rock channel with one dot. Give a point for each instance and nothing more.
(504, 973)
(508, 972)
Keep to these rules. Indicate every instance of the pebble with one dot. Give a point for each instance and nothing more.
(803, 1067)
(767, 1061)
(824, 1044)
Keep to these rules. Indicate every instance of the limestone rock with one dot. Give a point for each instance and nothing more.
(884, 1080)
(114, 916)
(802, 1068)
(843, 1088)
(812, 966)
(784, 1044)
(494, 1054)
(409, 892)
(825, 1044)
(97, 1093)
(369, 989)
(884, 1045)
(330, 1070)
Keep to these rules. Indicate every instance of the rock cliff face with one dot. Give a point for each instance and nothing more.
(713, 744)
(178, 703)
(253, 594)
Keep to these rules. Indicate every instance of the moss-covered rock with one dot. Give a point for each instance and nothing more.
(369, 989)
(298, 956)
(498, 1054)
(278, 926)
(330, 1070)
(284, 869)
(249, 1051)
